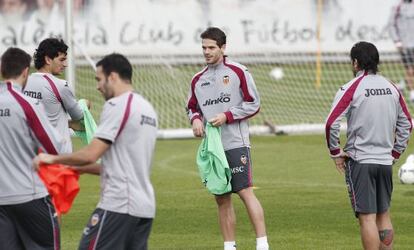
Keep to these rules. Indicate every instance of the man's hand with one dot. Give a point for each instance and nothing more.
(43, 158)
(198, 128)
(219, 120)
(76, 125)
(340, 162)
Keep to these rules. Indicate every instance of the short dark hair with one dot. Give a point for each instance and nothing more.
(215, 34)
(13, 62)
(366, 55)
(116, 63)
(49, 47)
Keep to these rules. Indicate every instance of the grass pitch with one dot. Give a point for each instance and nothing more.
(304, 197)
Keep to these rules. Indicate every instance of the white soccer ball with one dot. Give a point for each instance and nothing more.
(276, 73)
(406, 171)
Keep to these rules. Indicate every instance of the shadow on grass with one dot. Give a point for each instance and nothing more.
(409, 193)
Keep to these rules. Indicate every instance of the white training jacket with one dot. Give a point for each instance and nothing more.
(379, 124)
(225, 88)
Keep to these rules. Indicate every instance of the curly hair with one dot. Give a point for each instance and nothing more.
(50, 47)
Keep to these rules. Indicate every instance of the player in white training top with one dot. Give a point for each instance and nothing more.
(125, 139)
(54, 93)
(27, 218)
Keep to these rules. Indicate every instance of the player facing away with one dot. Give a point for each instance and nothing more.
(125, 141)
(401, 27)
(224, 94)
(54, 93)
(379, 126)
(27, 216)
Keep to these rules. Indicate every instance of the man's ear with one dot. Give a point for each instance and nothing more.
(355, 63)
(48, 60)
(223, 48)
(26, 72)
(113, 76)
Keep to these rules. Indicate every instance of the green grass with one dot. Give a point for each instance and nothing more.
(304, 198)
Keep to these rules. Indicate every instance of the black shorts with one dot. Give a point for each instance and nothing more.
(369, 187)
(241, 168)
(110, 230)
(407, 56)
(29, 225)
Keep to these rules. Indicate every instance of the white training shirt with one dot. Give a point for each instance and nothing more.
(129, 122)
(45, 87)
(24, 128)
(228, 88)
(379, 123)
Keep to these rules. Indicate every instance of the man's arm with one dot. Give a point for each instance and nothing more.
(94, 168)
(403, 129)
(340, 162)
(332, 127)
(218, 120)
(70, 103)
(194, 113)
(85, 156)
(198, 128)
(76, 125)
(251, 100)
(106, 133)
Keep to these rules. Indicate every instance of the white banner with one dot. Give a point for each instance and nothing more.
(148, 27)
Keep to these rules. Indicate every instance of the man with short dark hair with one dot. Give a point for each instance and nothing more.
(27, 216)
(225, 95)
(54, 93)
(379, 126)
(125, 139)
